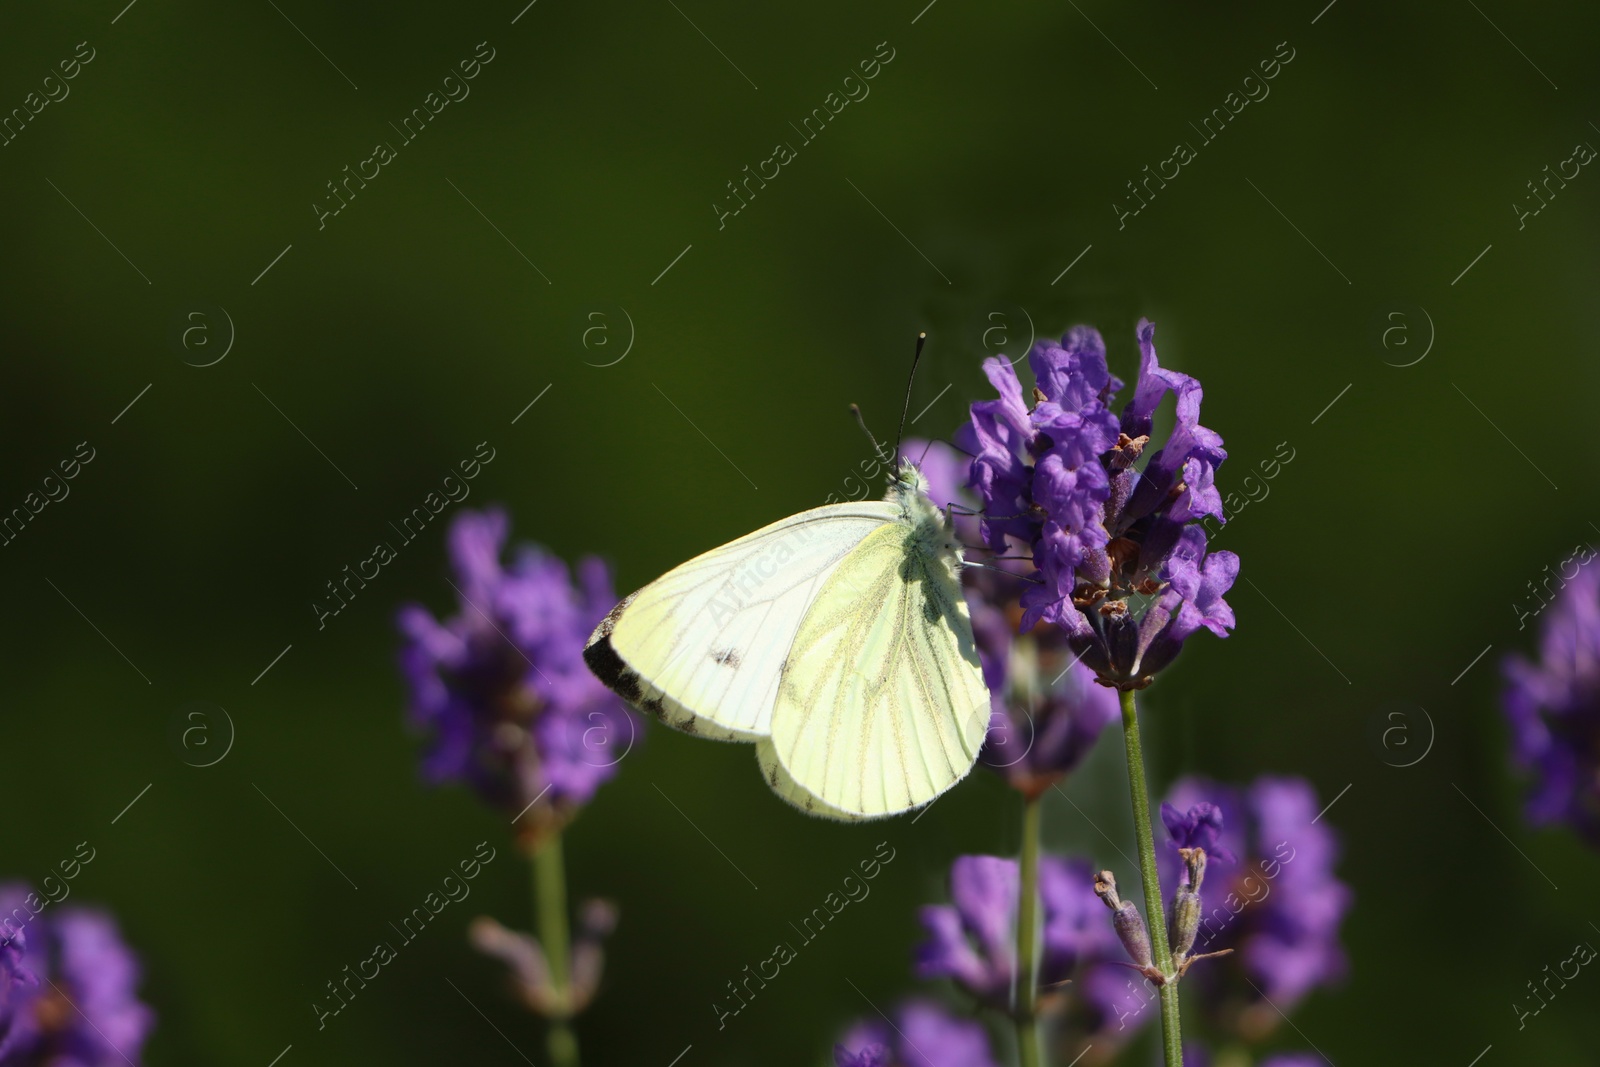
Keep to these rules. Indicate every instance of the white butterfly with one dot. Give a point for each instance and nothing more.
(837, 640)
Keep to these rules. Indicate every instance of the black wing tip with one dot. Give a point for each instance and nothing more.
(606, 665)
(609, 623)
(603, 661)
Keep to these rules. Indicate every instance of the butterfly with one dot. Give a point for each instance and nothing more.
(837, 640)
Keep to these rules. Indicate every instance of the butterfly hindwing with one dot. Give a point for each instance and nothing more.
(882, 706)
(786, 787)
(702, 647)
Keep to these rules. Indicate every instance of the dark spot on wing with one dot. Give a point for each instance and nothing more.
(727, 657)
(654, 707)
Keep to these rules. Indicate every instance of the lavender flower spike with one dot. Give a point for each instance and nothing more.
(71, 999)
(1553, 706)
(501, 687)
(1273, 897)
(1119, 558)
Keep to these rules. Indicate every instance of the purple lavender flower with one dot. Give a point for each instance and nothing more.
(15, 978)
(1046, 712)
(869, 1056)
(1119, 560)
(1553, 705)
(502, 687)
(974, 940)
(71, 997)
(1270, 894)
(923, 1035)
(1199, 827)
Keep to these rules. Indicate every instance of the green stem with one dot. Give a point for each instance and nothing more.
(550, 905)
(1026, 1015)
(1155, 912)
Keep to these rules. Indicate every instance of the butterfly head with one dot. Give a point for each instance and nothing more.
(908, 480)
(909, 490)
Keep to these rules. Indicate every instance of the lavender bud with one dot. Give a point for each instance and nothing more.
(1126, 919)
(596, 920)
(1186, 906)
(1185, 921)
(525, 958)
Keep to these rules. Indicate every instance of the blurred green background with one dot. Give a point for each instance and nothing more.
(988, 156)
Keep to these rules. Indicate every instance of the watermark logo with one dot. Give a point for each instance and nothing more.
(608, 336)
(202, 733)
(1405, 336)
(202, 334)
(601, 741)
(1008, 332)
(1007, 742)
(1401, 734)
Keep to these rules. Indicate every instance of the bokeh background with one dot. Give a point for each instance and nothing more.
(986, 160)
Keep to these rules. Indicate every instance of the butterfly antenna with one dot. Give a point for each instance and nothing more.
(855, 410)
(916, 356)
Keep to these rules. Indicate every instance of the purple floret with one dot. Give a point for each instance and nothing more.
(1553, 706)
(1198, 827)
(973, 940)
(923, 1035)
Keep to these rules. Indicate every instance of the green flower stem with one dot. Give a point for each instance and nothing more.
(1026, 1014)
(550, 905)
(1155, 912)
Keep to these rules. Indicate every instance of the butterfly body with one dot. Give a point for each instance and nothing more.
(837, 640)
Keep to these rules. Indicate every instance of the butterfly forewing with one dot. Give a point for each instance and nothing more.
(883, 705)
(703, 646)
